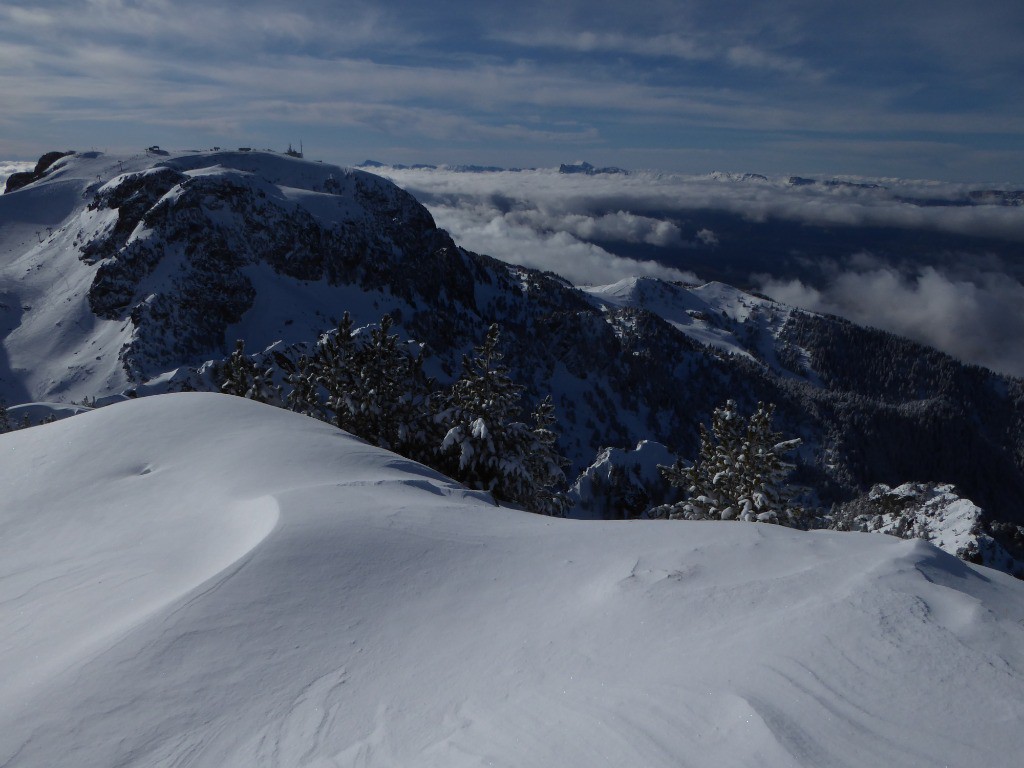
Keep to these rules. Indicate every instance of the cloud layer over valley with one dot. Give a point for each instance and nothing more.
(940, 263)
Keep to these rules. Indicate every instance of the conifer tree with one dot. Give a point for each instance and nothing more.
(389, 400)
(5, 418)
(242, 377)
(370, 385)
(331, 369)
(487, 446)
(304, 394)
(739, 474)
(545, 464)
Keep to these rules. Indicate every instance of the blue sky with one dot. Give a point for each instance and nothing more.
(911, 89)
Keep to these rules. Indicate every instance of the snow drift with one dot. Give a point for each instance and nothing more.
(200, 580)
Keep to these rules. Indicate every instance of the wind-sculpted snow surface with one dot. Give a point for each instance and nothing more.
(200, 580)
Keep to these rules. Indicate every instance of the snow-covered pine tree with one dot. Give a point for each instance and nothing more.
(389, 402)
(331, 368)
(479, 406)
(546, 465)
(739, 474)
(368, 383)
(304, 395)
(767, 469)
(487, 446)
(242, 377)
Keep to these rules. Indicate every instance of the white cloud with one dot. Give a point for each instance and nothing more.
(707, 237)
(755, 58)
(516, 237)
(693, 47)
(621, 225)
(672, 45)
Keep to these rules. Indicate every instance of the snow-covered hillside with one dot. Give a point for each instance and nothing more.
(200, 580)
(714, 315)
(116, 270)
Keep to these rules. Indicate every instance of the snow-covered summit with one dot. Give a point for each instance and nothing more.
(117, 269)
(714, 314)
(201, 580)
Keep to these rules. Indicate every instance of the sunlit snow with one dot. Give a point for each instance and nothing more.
(200, 580)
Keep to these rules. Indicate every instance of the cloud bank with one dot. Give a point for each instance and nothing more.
(583, 227)
(846, 201)
(554, 243)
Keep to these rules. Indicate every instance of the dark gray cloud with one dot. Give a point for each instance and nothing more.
(910, 88)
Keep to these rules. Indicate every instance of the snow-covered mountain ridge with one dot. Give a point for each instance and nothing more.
(196, 579)
(127, 274)
(714, 315)
(161, 250)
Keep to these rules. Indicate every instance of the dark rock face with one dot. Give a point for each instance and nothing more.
(18, 180)
(203, 230)
(125, 265)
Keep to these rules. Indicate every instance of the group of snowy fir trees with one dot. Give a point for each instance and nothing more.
(371, 385)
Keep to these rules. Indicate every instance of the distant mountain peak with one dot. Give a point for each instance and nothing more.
(587, 169)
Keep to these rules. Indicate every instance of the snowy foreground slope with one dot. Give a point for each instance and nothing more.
(200, 580)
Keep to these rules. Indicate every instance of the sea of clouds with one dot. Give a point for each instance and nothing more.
(968, 305)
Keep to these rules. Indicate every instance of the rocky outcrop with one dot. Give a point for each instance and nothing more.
(935, 512)
(18, 180)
